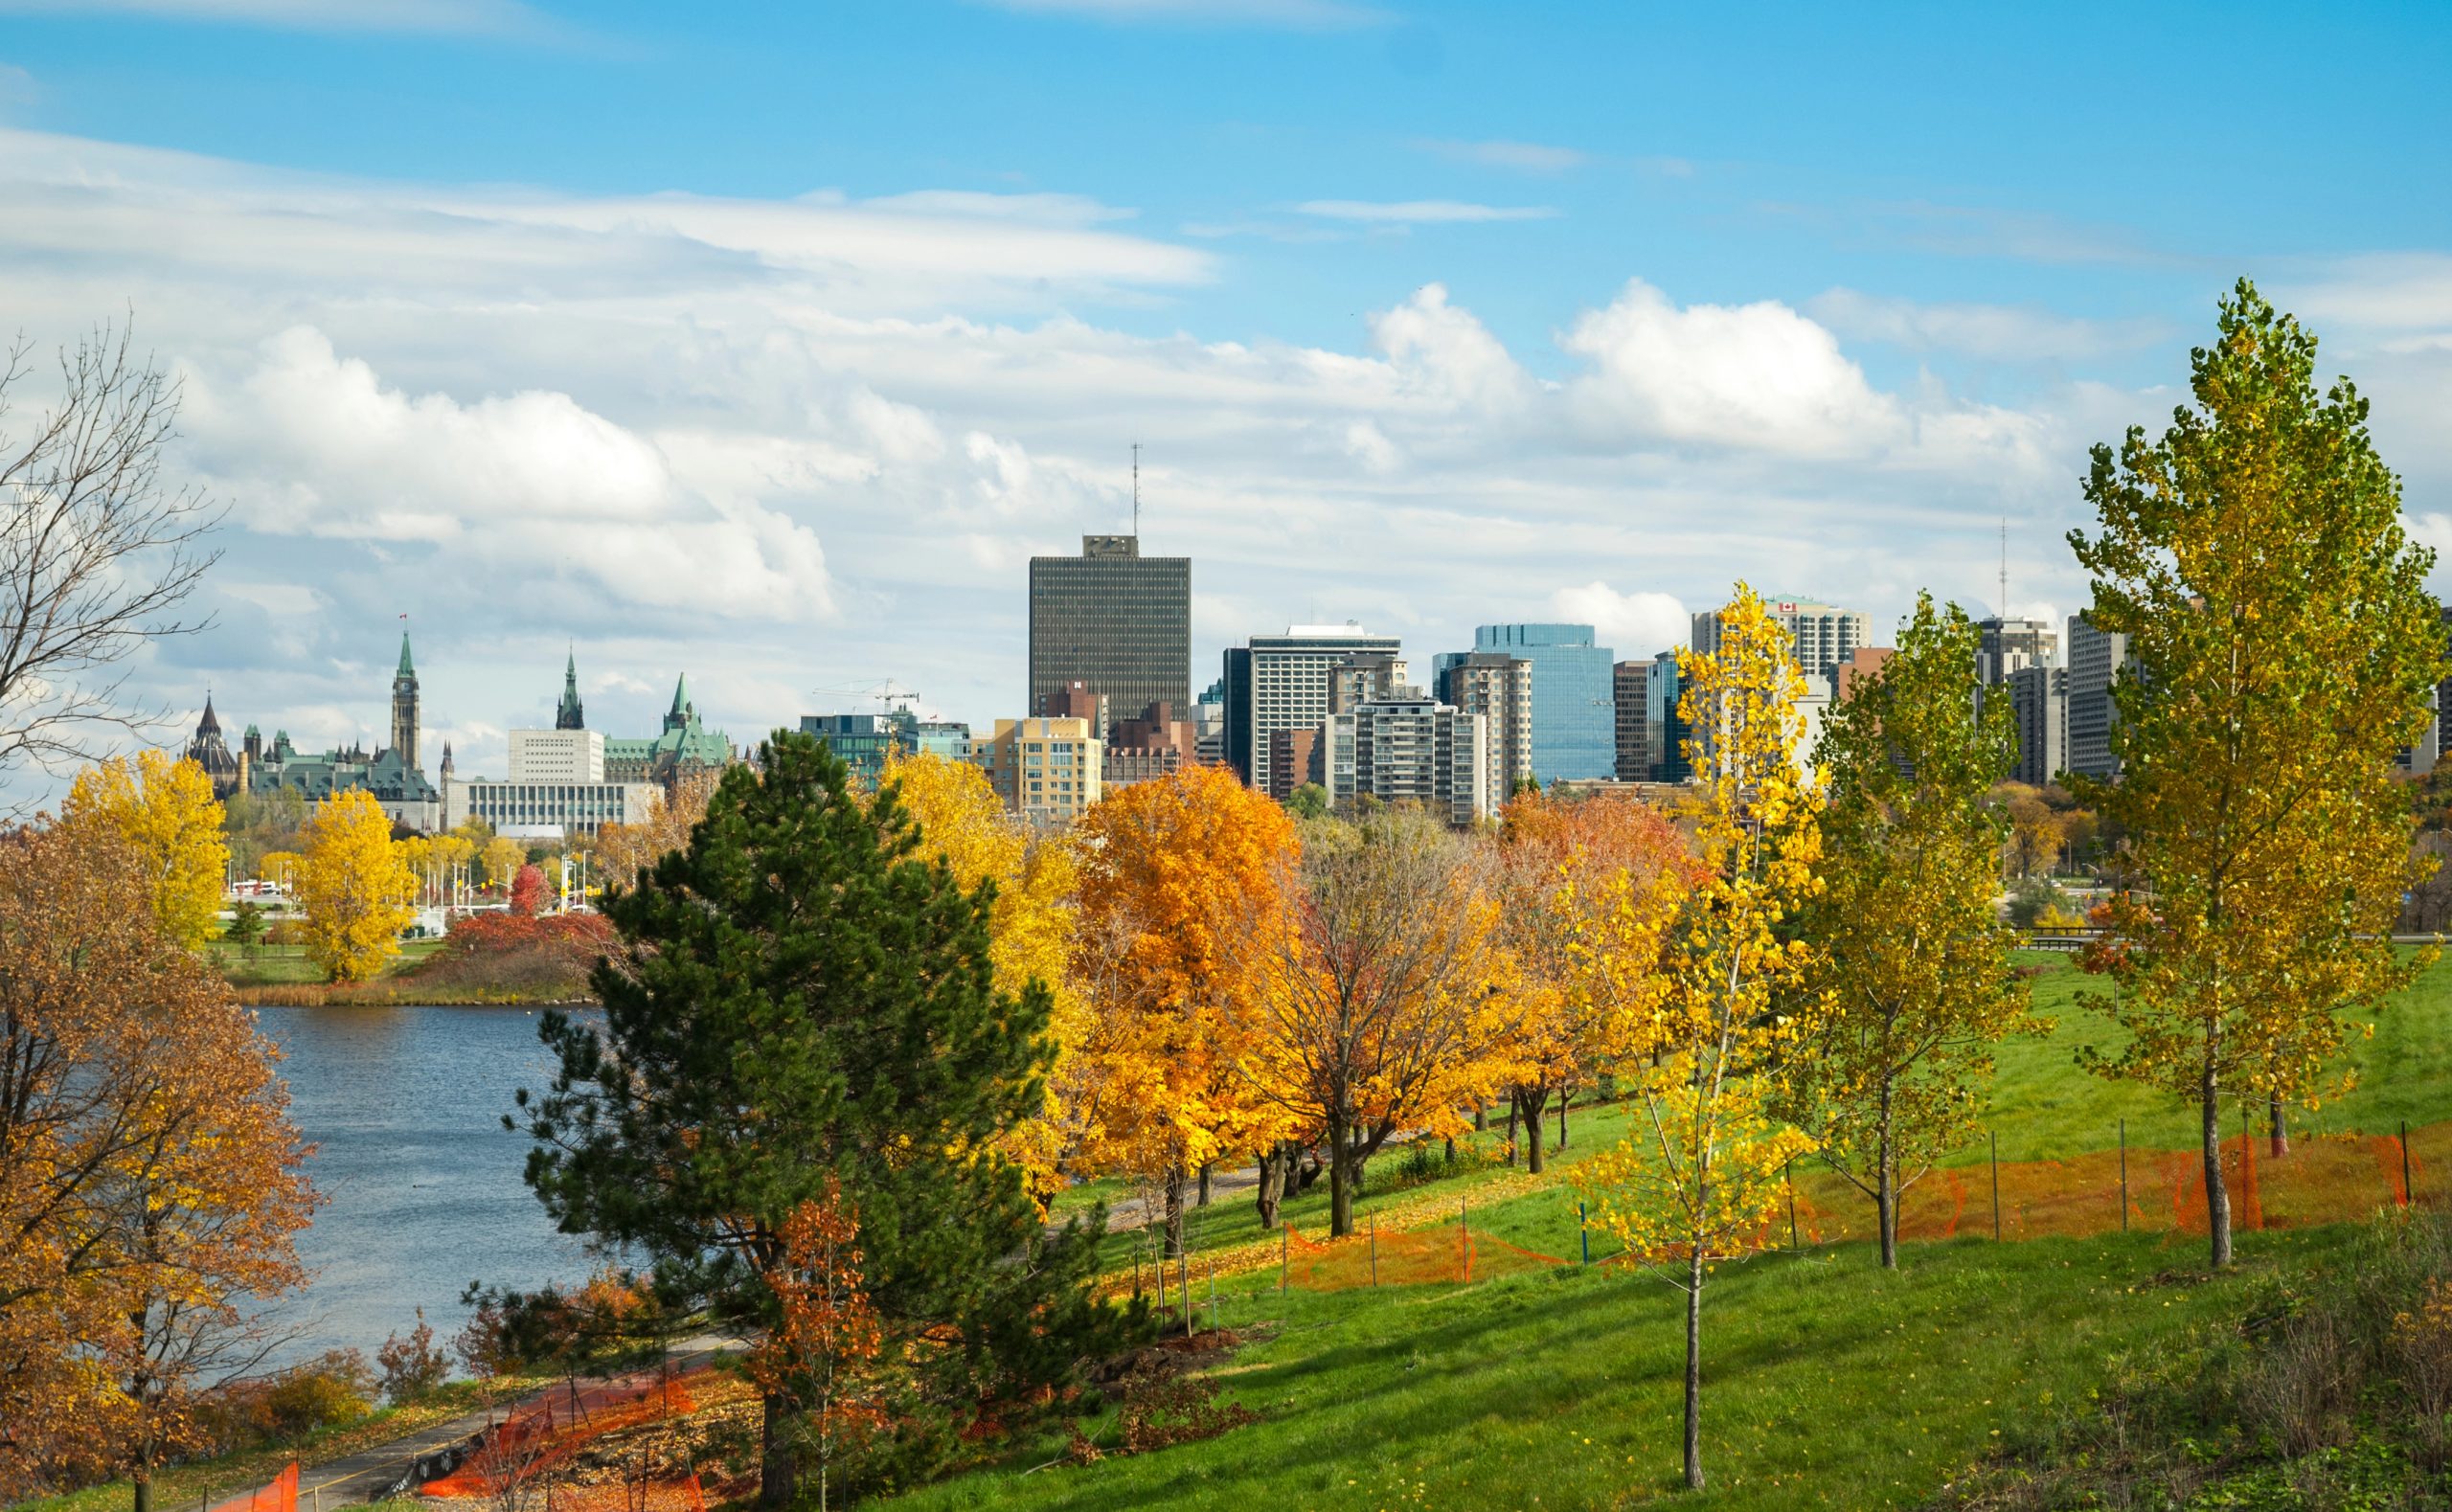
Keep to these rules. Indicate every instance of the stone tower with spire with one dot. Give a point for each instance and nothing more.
(404, 707)
(569, 715)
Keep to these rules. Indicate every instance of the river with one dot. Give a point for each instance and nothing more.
(404, 1106)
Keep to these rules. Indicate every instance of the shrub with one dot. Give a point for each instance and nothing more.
(2031, 900)
(412, 1368)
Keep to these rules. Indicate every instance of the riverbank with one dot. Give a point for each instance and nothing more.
(425, 973)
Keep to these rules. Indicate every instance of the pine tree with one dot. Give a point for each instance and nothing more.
(803, 1006)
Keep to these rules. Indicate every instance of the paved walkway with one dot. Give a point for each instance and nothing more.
(368, 1473)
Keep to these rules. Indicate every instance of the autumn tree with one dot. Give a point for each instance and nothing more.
(824, 1353)
(1173, 873)
(2034, 832)
(1697, 1180)
(526, 890)
(502, 858)
(164, 809)
(624, 852)
(149, 1175)
(1030, 928)
(1911, 984)
(804, 1003)
(354, 888)
(98, 551)
(2283, 647)
(1378, 1005)
(1586, 889)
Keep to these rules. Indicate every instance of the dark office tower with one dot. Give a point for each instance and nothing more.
(1114, 621)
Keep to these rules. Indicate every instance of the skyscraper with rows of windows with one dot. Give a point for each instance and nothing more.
(1115, 621)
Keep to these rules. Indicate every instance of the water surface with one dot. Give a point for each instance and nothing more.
(405, 1106)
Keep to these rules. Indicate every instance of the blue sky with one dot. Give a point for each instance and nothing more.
(768, 341)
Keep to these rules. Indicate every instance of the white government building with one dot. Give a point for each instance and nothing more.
(557, 783)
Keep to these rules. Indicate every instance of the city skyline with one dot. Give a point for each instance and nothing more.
(573, 324)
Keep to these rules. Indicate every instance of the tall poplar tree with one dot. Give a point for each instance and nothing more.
(803, 1006)
(1696, 1181)
(2282, 644)
(1911, 984)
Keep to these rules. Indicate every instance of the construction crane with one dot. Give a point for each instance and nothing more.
(887, 693)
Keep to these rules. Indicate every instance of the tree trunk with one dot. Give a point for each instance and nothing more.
(2217, 1198)
(1512, 1104)
(1565, 1096)
(778, 1468)
(1175, 1213)
(1340, 1179)
(1695, 1370)
(1481, 1117)
(2280, 1145)
(1272, 1183)
(1205, 1166)
(142, 1477)
(1885, 1187)
(1532, 1101)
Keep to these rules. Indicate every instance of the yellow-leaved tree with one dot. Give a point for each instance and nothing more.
(354, 885)
(1030, 926)
(164, 809)
(2282, 647)
(1912, 986)
(503, 858)
(1697, 1180)
(1174, 872)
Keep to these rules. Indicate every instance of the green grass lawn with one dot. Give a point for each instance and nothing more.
(284, 965)
(1827, 1383)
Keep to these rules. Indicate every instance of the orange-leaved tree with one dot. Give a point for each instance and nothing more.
(1379, 998)
(1174, 871)
(1696, 1181)
(1031, 927)
(825, 1354)
(1588, 887)
(149, 1174)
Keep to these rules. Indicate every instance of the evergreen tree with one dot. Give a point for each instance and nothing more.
(800, 1005)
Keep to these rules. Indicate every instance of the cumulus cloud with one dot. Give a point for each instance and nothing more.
(1631, 624)
(1754, 375)
(312, 443)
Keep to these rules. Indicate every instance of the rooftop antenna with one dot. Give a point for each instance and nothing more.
(1136, 490)
(2005, 569)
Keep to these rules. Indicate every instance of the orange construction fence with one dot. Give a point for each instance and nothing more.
(282, 1496)
(539, 1437)
(2316, 1179)
(1415, 1257)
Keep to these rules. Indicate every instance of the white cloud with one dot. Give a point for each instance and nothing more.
(311, 443)
(1632, 625)
(1419, 212)
(1522, 157)
(478, 17)
(1997, 332)
(1753, 375)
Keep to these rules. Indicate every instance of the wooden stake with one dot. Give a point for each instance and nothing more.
(1996, 1186)
(2123, 1175)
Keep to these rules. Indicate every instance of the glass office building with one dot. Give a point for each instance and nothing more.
(1114, 621)
(1575, 716)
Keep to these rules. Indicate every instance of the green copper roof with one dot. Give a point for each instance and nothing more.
(406, 670)
(680, 694)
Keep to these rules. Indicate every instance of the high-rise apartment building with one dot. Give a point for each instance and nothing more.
(1045, 770)
(2095, 660)
(2040, 701)
(1293, 761)
(1365, 674)
(1114, 620)
(1574, 720)
(1823, 636)
(1629, 679)
(1407, 747)
(2004, 646)
(1281, 682)
(1663, 729)
(1499, 688)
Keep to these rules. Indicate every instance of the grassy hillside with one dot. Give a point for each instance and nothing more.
(1828, 1382)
